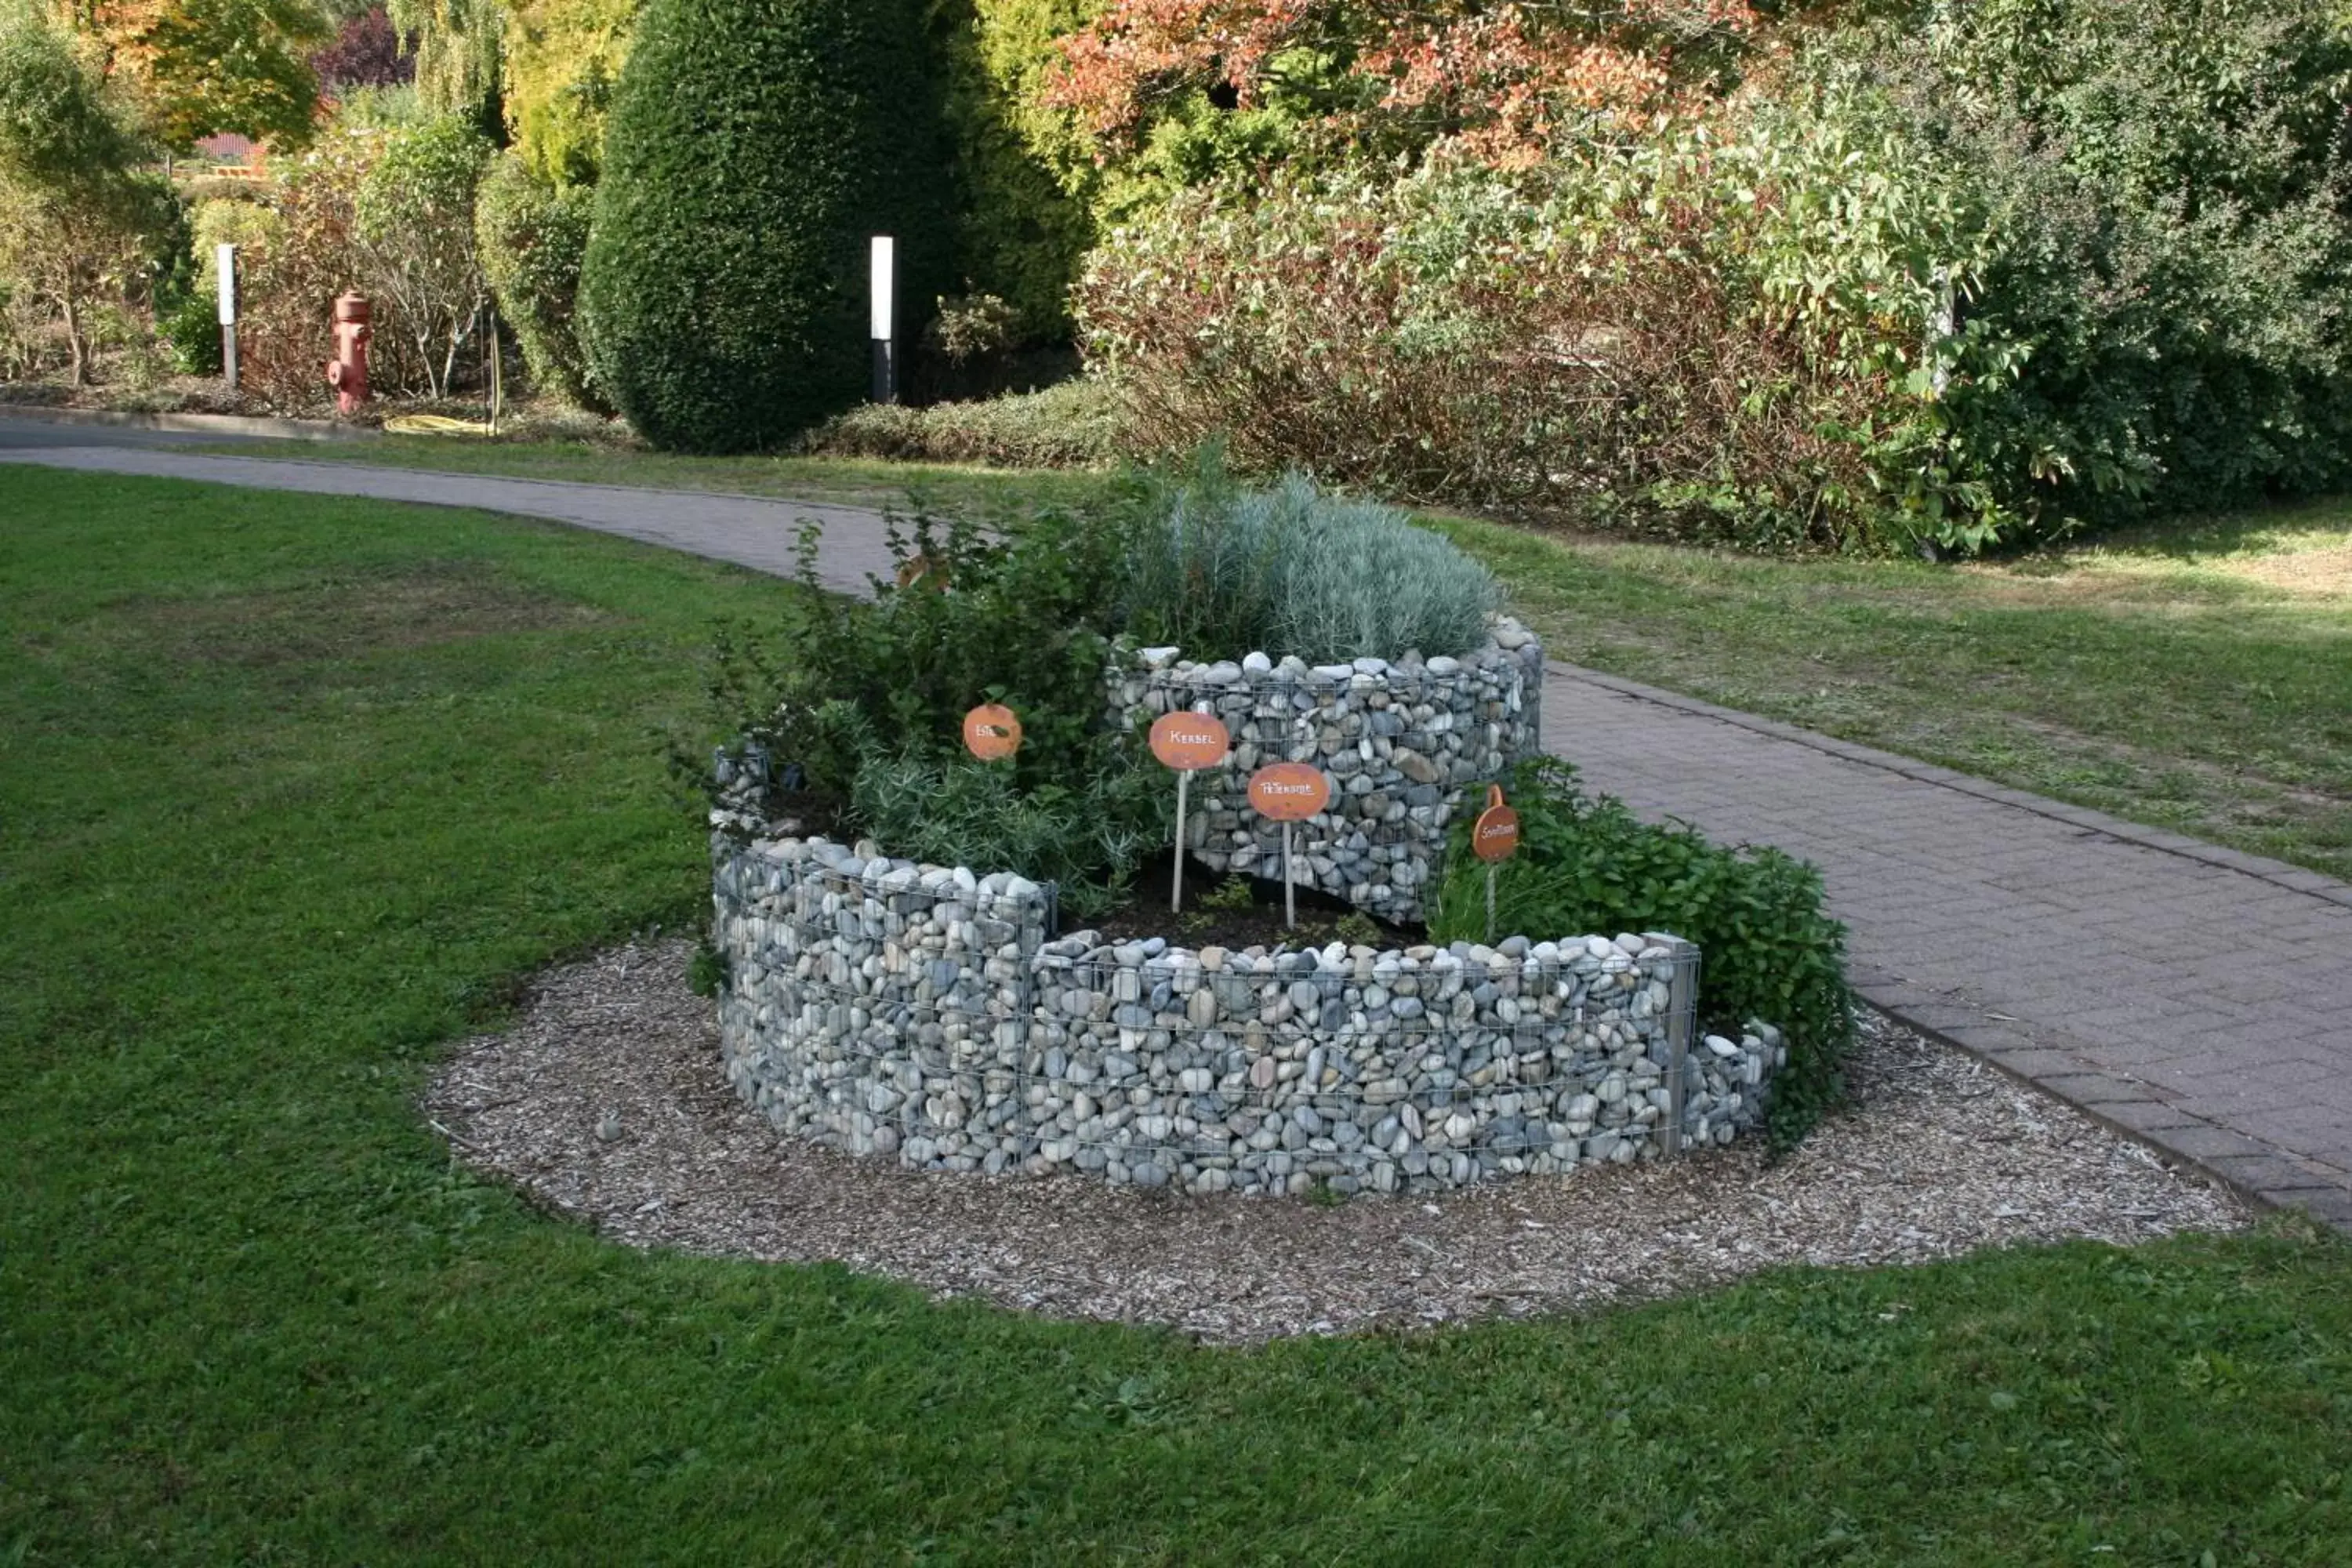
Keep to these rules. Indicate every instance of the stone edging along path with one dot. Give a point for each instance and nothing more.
(2195, 997)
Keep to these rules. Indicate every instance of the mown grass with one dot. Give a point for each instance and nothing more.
(292, 789)
(2197, 677)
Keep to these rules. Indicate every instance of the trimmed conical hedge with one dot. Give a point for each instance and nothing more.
(754, 146)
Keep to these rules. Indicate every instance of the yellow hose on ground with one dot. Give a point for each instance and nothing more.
(433, 425)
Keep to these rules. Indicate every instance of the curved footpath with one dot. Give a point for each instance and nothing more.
(2196, 997)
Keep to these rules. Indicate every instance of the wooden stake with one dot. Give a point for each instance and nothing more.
(1290, 889)
(1491, 869)
(1176, 897)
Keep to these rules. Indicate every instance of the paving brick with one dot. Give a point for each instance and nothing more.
(2332, 1206)
(2150, 1116)
(2258, 1173)
(2210, 1142)
(2096, 1090)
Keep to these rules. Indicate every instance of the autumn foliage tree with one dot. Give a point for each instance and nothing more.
(366, 52)
(203, 68)
(1501, 79)
(74, 213)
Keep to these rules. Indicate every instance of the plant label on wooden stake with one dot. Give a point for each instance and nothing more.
(1494, 838)
(992, 732)
(1288, 792)
(1187, 743)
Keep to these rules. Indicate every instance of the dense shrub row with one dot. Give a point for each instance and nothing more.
(2025, 269)
(1854, 277)
(1700, 326)
(1071, 424)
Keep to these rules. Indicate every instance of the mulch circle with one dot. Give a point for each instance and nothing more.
(606, 1103)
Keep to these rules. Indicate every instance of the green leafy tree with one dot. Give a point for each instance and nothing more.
(563, 59)
(201, 67)
(1025, 172)
(460, 47)
(75, 217)
(753, 148)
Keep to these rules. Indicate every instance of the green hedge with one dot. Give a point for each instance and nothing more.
(532, 235)
(1767, 951)
(1024, 231)
(754, 145)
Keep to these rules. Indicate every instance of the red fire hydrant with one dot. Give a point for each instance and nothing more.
(347, 374)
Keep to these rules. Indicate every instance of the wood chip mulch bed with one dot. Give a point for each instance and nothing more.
(606, 1101)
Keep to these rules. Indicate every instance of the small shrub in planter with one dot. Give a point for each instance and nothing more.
(865, 699)
(1221, 571)
(1768, 950)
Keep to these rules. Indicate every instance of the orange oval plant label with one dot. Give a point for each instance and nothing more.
(1289, 792)
(992, 732)
(1496, 835)
(1189, 742)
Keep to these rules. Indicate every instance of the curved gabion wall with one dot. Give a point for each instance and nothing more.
(1400, 742)
(927, 1014)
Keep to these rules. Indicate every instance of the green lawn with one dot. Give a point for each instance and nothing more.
(292, 790)
(2199, 679)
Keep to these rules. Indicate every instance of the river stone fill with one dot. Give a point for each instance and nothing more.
(931, 1016)
(1408, 745)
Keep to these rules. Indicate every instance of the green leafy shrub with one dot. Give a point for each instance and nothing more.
(865, 699)
(1071, 424)
(190, 325)
(1088, 833)
(412, 217)
(532, 235)
(753, 147)
(1222, 571)
(561, 60)
(1767, 950)
(296, 256)
(2162, 199)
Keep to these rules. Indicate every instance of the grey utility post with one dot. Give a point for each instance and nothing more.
(882, 318)
(224, 265)
(1682, 1028)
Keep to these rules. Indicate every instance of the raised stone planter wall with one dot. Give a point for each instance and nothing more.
(1401, 742)
(928, 1015)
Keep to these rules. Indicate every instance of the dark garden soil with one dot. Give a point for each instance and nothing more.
(1235, 912)
(1220, 911)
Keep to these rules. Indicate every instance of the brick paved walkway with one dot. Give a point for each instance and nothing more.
(2196, 997)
